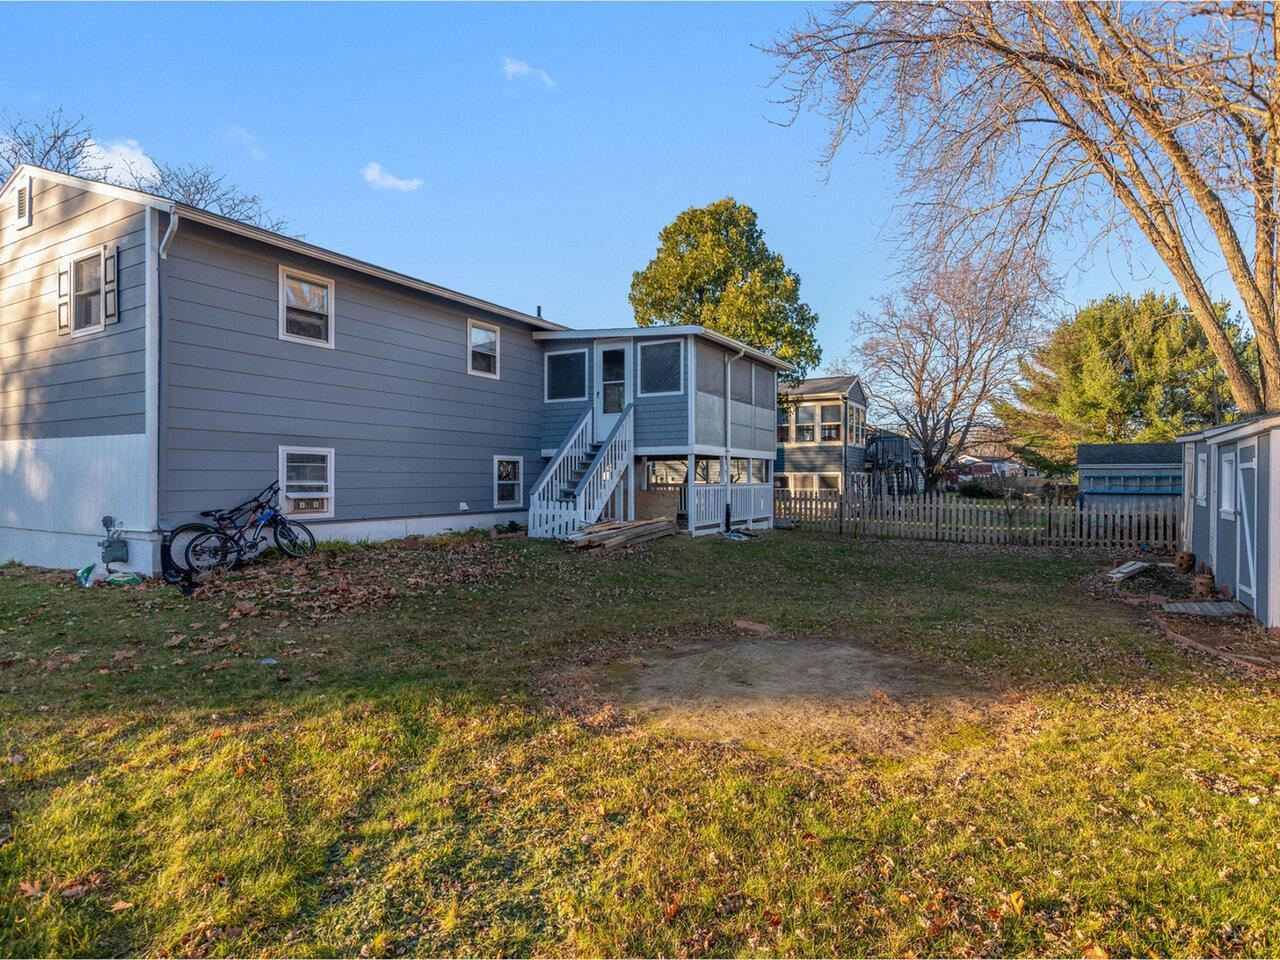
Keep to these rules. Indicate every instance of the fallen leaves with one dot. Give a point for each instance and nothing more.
(121, 905)
(1016, 903)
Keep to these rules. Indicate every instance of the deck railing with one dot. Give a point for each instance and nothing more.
(1051, 523)
(750, 504)
(550, 513)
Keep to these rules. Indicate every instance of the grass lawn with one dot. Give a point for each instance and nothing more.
(399, 782)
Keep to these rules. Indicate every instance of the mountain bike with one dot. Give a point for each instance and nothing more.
(242, 532)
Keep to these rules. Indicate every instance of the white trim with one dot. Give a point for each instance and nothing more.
(1246, 518)
(91, 186)
(1202, 479)
(20, 222)
(1232, 431)
(1273, 530)
(151, 363)
(497, 349)
(280, 315)
(1227, 513)
(691, 345)
(602, 423)
(640, 391)
(100, 252)
(518, 504)
(280, 476)
(546, 378)
(684, 329)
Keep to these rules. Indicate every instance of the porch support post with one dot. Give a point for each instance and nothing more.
(688, 492)
(631, 490)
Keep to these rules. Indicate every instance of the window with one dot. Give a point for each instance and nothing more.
(566, 376)
(803, 481)
(831, 418)
(508, 485)
(660, 368)
(86, 293)
(781, 481)
(784, 424)
(22, 214)
(1202, 479)
(828, 481)
(1227, 486)
(482, 353)
(857, 426)
(306, 481)
(804, 424)
(306, 308)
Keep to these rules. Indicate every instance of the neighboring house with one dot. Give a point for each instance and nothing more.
(157, 360)
(895, 464)
(822, 435)
(1132, 473)
(1231, 513)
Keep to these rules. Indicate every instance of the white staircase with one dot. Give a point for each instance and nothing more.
(578, 482)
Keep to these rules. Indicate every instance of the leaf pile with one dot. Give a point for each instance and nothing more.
(333, 582)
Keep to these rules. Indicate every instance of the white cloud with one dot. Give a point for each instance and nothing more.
(238, 134)
(120, 161)
(514, 69)
(380, 179)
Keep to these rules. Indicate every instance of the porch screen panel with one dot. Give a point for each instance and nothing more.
(709, 401)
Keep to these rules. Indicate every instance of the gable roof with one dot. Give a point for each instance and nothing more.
(1112, 454)
(184, 211)
(815, 387)
(676, 330)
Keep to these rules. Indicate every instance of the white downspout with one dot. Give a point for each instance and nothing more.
(726, 463)
(169, 233)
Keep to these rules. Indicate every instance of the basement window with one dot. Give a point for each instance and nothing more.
(508, 486)
(306, 481)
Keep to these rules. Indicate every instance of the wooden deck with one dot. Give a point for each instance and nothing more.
(1209, 608)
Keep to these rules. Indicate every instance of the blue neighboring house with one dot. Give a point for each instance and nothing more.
(1137, 473)
(822, 434)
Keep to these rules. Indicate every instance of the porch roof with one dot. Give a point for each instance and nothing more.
(680, 330)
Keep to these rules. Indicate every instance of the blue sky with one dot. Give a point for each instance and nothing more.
(528, 154)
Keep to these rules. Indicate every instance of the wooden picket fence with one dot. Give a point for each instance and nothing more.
(1119, 526)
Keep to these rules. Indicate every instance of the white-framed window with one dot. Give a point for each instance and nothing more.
(803, 481)
(806, 414)
(828, 481)
(306, 308)
(781, 481)
(661, 368)
(1227, 485)
(88, 306)
(830, 421)
(484, 346)
(784, 424)
(306, 482)
(565, 376)
(22, 204)
(508, 481)
(857, 427)
(1202, 479)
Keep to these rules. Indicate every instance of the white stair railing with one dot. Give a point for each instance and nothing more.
(551, 512)
(607, 468)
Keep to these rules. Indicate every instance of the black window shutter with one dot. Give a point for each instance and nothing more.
(110, 309)
(64, 301)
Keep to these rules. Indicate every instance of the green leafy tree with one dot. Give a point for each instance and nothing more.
(713, 268)
(1121, 369)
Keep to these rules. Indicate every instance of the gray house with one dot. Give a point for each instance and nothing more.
(1231, 511)
(822, 435)
(1131, 473)
(157, 360)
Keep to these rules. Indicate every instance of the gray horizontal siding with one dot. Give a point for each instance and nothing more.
(62, 386)
(817, 458)
(413, 433)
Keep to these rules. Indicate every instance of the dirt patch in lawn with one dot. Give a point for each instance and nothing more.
(778, 693)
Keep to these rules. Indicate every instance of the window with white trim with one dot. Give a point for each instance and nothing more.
(306, 308)
(660, 368)
(306, 482)
(784, 424)
(508, 481)
(781, 481)
(857, 427)
(22, 213)
(565, 376)
(1227, 486)
(1202, 479)
(803, 481)
(830, 421)
(828, 481)
(483, 346)
(805, 416)
(86, 293)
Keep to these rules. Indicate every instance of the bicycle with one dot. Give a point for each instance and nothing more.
(241, 532)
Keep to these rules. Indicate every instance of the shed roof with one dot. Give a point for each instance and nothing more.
(813, 387)
(1105, 454)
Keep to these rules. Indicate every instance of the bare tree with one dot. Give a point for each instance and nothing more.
(1019, 122)
(57, 141)
(938, 353)
(64, 143)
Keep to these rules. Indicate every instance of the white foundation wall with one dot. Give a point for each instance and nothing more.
(55, 491)
(353, 531)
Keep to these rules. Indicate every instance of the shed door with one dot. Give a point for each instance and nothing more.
(1246, 539)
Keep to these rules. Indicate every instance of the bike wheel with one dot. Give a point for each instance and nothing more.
(179, 539)
(294, 538)
(211, 551)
